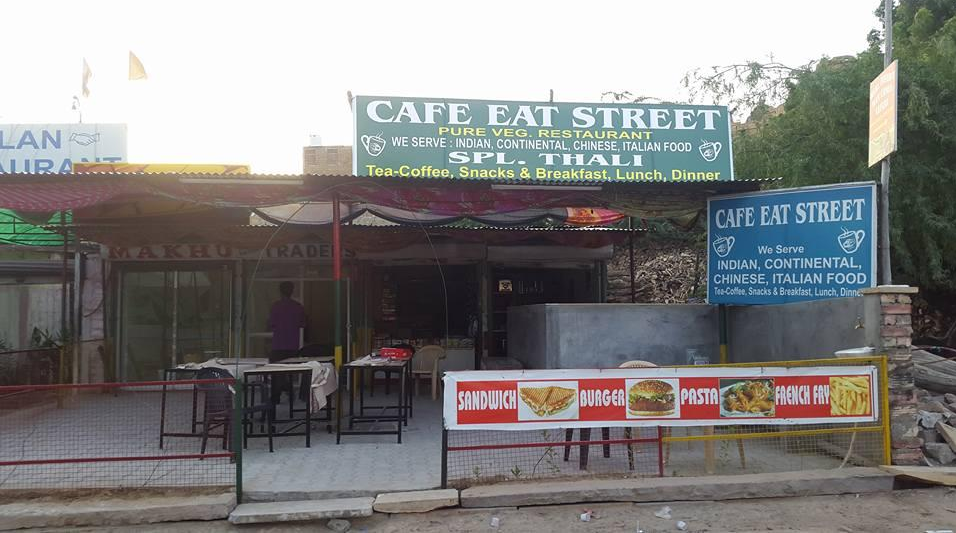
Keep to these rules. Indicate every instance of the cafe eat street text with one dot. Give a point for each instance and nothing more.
(535, 115)
(780, 214)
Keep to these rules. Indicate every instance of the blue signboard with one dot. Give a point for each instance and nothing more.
(791, 245)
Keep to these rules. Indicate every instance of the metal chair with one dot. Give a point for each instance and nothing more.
(425, 363)
(666, 431)
(218, 408)
(585, 433)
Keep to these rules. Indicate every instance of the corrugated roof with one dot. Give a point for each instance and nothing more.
(396, 179)
(386, 225)
(541, 181)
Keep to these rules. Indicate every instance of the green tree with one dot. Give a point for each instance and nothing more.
(822, 135)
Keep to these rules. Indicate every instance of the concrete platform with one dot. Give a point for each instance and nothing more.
(771, 485)
(258, 513)
(419, 501)
(38, 513)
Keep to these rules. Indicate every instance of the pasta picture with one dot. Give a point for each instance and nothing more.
(850, 396)
(748, 397)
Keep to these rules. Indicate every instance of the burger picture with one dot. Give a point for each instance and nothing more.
(651, 397)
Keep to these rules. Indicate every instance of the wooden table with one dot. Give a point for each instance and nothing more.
(402, 408)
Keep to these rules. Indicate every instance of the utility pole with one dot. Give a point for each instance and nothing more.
(886, 277)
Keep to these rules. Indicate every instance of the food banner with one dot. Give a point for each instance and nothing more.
(685, 396)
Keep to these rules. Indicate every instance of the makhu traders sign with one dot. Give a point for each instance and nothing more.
(791, 245)
(534, 141)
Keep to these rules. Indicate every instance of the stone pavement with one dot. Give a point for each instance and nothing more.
(362, 465)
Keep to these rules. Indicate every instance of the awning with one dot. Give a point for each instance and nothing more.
(357, 238)
(321, 213)
(53, 192)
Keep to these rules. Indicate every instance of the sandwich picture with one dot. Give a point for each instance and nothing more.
(547, 401)
(651, 397)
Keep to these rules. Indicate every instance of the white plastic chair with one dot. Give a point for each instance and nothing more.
(425, 363)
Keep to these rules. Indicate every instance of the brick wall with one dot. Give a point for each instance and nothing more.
(896, 332)
(327, 160)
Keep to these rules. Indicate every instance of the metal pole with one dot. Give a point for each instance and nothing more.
(64, 281)
(886, 277)
(77, 311)
(444, 458)
(722, 326)
(630, 262)
(337, 276)
(175, 330)
(885, 411)
(237, 430)
(64, 302)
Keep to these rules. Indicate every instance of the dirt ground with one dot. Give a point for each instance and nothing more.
(917, 510)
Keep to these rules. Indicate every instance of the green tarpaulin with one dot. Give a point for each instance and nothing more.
(15, 229)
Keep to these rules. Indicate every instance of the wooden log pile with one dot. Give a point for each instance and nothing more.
(933, 372)
(665, 272)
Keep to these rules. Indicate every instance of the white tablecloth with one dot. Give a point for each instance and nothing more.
(323, 380)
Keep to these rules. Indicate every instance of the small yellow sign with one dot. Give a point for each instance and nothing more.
(883, 115)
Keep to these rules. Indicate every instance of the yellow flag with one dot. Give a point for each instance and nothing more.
(136, 69)
(87, 74)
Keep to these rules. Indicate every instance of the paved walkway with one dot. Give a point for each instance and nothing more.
(126, 424)
(362, 465)
(907, 510)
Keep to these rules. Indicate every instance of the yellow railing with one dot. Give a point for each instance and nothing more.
(802, 447)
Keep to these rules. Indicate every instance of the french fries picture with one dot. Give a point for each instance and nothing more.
(849, 396)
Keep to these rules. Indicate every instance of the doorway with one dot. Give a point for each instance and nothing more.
(169, 317)
(316, 296)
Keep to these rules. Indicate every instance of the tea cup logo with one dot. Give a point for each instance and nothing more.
(850, 241)
(374, 144)
(723, 245)
(709, 150)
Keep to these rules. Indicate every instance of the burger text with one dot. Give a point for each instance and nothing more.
(602, 398)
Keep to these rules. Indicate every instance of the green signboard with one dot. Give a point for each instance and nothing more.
(534, 141)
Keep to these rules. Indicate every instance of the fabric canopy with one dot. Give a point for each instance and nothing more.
(53, 192)
(321, 213)
(356, 238)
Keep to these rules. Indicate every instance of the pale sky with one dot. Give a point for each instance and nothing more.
(249, 82)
